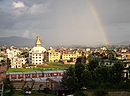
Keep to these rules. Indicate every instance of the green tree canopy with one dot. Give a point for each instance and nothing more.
(69, 80)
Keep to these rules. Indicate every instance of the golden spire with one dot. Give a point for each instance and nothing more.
(38, 42)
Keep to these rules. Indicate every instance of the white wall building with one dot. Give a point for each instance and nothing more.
(11, 53)
(36, 55)
(17, 62)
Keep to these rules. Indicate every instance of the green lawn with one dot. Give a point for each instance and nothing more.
(51, 66)
(20, 70)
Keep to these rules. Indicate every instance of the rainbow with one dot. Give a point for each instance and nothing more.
(99, 22)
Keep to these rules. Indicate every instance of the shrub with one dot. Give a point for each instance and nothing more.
(100, 92)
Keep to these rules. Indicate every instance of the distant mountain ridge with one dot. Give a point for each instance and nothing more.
(22, 41)
(16, 41)
(124, 43)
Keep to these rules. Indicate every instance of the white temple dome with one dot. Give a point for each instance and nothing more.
(38, 49)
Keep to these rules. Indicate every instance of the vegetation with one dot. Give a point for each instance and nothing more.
(70, 80)
(96, 76)
(8, 88)
(8, 63)
(51, 66)
(73, 78)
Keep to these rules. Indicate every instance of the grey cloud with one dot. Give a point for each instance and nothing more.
(66, 21)
(119, 32)
(11, 17)
(113, 11)
(6, 21)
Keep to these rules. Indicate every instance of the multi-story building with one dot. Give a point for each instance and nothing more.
(71, 56)
(17, 62)
(12, 52)
(14, 55)
(125, 55)
(36, 55)
(52, 56)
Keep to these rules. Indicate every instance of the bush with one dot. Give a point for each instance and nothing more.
(79, 93)
(100, 92)
(47, 90)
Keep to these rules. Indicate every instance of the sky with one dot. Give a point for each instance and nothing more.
(67, 22)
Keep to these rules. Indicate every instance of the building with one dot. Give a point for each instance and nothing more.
(12, 52)
(71, 56)
(53, 83)
(1, 58)
(126, 55)
(14, 55)
(52, 56)
(36, 55)
(17, 62)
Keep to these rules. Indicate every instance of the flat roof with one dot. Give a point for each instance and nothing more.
(36, 72)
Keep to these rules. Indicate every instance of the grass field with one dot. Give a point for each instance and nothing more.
(51, 66)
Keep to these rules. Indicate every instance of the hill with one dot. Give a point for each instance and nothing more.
(16, 41)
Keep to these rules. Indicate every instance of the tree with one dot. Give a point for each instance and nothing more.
(69, 80)
(95, 76)
(88, 80)
(117, 72)
(93, 63)
(111, 54)
(8, 63)
(79, 69)
(81, 60)
(24, 54)
(8, 87)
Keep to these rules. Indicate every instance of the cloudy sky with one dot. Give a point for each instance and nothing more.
(67, 22)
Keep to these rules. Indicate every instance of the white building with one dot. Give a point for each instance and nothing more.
(11, 53)
(36, 55)
(17, 62)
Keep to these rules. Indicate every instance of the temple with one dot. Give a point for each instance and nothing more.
(36, 55)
